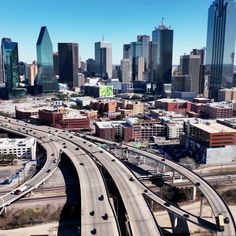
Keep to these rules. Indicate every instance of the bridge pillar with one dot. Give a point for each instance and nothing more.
(201, 205)
(173, 176)
(194, 193)
(164, 169)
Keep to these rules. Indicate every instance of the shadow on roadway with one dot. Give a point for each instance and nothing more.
(70, 218)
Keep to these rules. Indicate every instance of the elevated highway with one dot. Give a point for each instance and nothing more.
(131, 188)
(97, 215)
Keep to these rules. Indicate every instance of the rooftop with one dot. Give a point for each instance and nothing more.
(172, 100)
(214, 128)
(8, 143)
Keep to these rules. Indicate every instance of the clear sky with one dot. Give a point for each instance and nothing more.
(86, 21)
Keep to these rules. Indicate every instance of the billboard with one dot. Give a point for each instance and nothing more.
(105, 91)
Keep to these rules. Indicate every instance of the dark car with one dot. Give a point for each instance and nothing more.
(105, 217)
(226, 220)
(77, 149)
(131, 179)
(197, 184)
(17, 192)
(101, 198)
(167, 204)
(92, 213)
(48, 170)
(186, 215)
(94, 231)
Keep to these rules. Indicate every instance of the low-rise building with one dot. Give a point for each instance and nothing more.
(176, 105)
(209, 141)
(21, 148)
(227, 94)
(64, 119)
(217, 110)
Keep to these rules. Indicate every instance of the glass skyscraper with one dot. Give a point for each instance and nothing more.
(221, 34)
(103, 59)
(161, 58)
(68, 63)
(46, 80)
(10, 65)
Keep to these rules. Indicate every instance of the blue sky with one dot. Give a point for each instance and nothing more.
(86, 21)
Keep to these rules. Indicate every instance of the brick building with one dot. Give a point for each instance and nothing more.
(176, 105)
(58, 119)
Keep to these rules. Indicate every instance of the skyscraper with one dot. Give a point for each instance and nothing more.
(1, 71)
(103, 59)
(221, 34)
(68, 63)
(45, 80)
(161, 61)
(144, 40)
(126, 51)
(10, 65)
(125, 67)
(190, 65)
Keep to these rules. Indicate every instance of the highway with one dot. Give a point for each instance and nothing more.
(215, 201)
(121, 174)
(132, 191)
(97, 214)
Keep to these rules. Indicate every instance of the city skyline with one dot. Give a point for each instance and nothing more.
(83, 23)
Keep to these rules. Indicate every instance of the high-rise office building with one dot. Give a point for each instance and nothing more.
(126, 51)
(56, 63)
(125, 67)
(144, 40)
(190, 65)
(68, 63)
(1, 71)
(221, 34)
(103, 59)
(32, 72)
(91, 68)
(46, 80)
(138, 68)
(161, 61)
(10, 63)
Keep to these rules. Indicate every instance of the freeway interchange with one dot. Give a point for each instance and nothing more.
(98, 216)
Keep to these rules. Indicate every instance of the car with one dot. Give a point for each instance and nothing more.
(101, 198)
(90, 145)
(101, 151)
(63, 143)
(71, 136)
(226, 220)
(94, 231)
(92, 213)
(64, 146)
(145, 191)
(163, 159)
(167, 204)
(197, 184)
(17, 192)
(52, 154)
(113, 160)
(131, 179)
(48, 170)
(77, 149)
(186, 215)
(105, 217)
(84, 142)
(81, 163)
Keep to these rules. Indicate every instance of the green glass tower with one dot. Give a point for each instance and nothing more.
(10, 65)
(46, 80)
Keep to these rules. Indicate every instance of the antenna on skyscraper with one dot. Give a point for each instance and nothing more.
(162, 21)
(103, 37)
